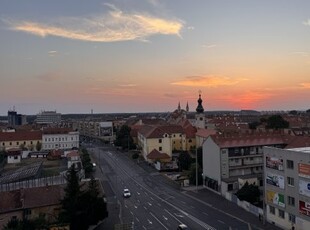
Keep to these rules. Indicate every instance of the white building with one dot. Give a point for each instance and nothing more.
(48, 117)
(230, 161)
(287, 187)
(59, 138)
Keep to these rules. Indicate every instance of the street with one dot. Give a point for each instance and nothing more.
(155, 202)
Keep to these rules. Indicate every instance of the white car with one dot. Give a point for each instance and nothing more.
(126, 193)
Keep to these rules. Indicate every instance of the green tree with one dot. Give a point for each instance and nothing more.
(249, 193)
(192, 174)
(86, 161)
(38, 146)
(293, 112)
(16, 224)
(69, 213)
(123, 138)
(253, 125)
(276, 122)
(184, 161)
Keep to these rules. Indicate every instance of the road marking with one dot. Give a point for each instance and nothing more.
(150, 222)
(136, 206)
(173, 216)
(126, 206)
(137, 219)
(151, 198)
(131, 212)
(165, 218)
(144, 227)
(149, 203)
(222, 222)
(138, 193)
(192, 206)
(183, 202)
(159, 221)
(206, 213)
(144, 207)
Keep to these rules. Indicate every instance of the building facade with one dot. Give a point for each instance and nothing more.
(228, 162)
(48, 117)
(20, 139)
(287, 187)
(59, 138)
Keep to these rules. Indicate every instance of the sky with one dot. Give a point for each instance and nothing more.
(75, 56)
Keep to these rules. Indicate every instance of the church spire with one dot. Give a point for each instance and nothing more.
(199, 108)
(187, 108)
(179, 107)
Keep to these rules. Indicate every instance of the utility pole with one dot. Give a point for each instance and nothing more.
(196, 170)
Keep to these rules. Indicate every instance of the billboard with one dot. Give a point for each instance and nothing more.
(275, 198)
(106, 129)
(304, 188)
(304, 208)
(304, 170)
(275, 180)
(274, 163)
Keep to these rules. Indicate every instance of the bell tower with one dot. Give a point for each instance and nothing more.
(200, 116)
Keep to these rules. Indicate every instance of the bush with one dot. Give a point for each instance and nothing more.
(135, 156)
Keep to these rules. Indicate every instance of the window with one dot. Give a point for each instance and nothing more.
(10, 143)
(292, 218)
(190, 141)
(160, 148)
(291, 200)
(272, 210)
(290, 181)
(3, 144)
(30, 142)
(17, 143)
(281, 213)
(159, 141)
(290, 164)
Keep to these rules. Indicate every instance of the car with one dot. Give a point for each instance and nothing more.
(182, 227)
(126, 193)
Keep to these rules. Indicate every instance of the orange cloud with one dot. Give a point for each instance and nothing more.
(305, 85)
(208, 81)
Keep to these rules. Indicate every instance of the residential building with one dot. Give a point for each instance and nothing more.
(230, 161)
(48, 117)
(164, 139)
(20, 139)
(59, 138)
(287, 187)
(14, 156)
(15, 119)
(98, 129)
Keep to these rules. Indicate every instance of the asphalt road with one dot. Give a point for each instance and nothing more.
(155, 202)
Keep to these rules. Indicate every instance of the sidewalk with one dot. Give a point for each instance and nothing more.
(219, 203)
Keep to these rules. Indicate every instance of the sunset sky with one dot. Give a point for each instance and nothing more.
(147, 56)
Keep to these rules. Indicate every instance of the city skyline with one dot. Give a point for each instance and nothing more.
(147, 56)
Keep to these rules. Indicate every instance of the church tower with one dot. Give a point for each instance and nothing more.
(200, 116)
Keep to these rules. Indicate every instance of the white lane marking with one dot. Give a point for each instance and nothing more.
(159, 221)
(150, 222)
(206, 213)
(126, 206)
(149, 203)
(137, 219)
(165, 217)
(183, 202)
(173, 216)
(138, 193)
(144, 207)
(222, 222)
(135, 206)
(144, 227)
(151, 198)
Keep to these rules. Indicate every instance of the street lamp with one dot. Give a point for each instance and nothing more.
(196, 171)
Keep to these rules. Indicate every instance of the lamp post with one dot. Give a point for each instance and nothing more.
(196, 170)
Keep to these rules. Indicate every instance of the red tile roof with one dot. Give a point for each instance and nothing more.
(73, 154)
(155, 154)
(159, 131)
(21, 135)
(205, 132)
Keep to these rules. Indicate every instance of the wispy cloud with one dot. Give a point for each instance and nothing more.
(306, 23)
(128, 85)
(209, 46)
(208, 81)
(49, 77)
(301, 53)
(110, 27)
(305, 85)
(190, 27)
(52, 53)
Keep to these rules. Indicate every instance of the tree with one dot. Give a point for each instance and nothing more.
(86, 161)
(277, 122)
(253, 125)
(82, 207)
(293, 112)
(184, 161)
(249, 193)
(192, 174)
(69, 213)
(38, 146)
(123, 138)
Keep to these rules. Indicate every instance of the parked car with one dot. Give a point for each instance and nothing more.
(126, 193)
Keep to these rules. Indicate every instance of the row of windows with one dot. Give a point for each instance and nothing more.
(281, 214)
(19, 143)
(58, 139)
(59, 146)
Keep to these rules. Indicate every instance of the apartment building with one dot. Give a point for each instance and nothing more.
(230, 161)
(59, 138)
(48, 117)
(164, 139)
(287, 187)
